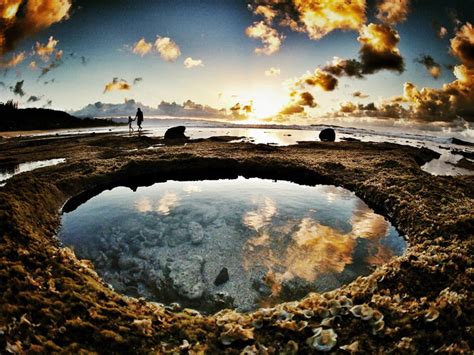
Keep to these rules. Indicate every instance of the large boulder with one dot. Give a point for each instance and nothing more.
(175, 133)
(186, 277)
(327, 135)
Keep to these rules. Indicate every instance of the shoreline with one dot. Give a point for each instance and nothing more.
(60, 304)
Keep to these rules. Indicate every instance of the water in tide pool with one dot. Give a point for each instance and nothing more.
(242, 243)
(9, 170)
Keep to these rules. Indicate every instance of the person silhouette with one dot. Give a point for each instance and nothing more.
(139, 118)
(130, 120)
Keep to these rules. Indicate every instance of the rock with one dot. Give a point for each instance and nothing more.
(196, 233)
(222, 278)
(175, 133)
(327, 135)
(186, 277)
(461, 142)
(220, 300)
(294, 288)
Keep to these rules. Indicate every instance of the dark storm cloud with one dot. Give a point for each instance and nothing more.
(18, 88)
(33, 98)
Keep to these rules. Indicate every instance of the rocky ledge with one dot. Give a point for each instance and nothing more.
(52, 302)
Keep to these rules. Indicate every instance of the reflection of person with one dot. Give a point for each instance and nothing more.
(130, 120)
(139, 118)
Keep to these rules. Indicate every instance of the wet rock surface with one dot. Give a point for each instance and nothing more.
(52, 302)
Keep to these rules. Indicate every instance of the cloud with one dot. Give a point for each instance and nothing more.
(360, 95)
(292, 109)
(462, 45)
(33, 65)
(192, 63)
(117, 84)
(48, 103)
(307, 99)
(35, 15)
(379, 49)
(137, 80)
(270, 37)
(142, 47)
(442, 32)
(316, 18)
(344, 67)
(392, 11)
(167, 48)
(14, 60)
(84, 60)
(430, 64)
(18, 88)
(45, 51)
(320, 78)
(272, 72)
(33, 98)
(53, 65)
(241, 111)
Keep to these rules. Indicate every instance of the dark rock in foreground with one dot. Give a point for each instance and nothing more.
(327, 135)
(461, 142)
(175, 133)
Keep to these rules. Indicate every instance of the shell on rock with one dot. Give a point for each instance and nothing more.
(431, 315)
(323, 339)
(291, 348)
(362, 311)
(257, 323)
(353, 347)
(235, 332)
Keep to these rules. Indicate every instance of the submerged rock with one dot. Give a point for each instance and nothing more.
(327, 135)
(222, 278)
(186, 277)
(175, 133)
(196, 233)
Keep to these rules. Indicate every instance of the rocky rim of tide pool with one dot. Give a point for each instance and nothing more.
(52, 302)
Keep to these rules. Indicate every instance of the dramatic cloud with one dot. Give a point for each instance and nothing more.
(462, 45)
(292, 109)
(35, 16)
(392, 11)
(316, 18)
(142, 47)
(18, 88)
(272, 72)
(167, 48)
(430, 64)
(270, 38)
(117, 84)
(241, 111)
(299, 100)
(192, 63)
(379, 49)
(45, 51)
(360, 94)
(319, 78)
(13, 61)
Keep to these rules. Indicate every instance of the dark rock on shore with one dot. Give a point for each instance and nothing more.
(461, 142)
(327, 135)
(175, 133)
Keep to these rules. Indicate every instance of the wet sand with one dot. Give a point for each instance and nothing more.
(419, 302)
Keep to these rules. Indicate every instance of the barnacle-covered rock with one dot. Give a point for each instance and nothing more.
(233, 332)
(362, 311)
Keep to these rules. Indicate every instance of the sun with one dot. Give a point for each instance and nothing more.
(266, 102)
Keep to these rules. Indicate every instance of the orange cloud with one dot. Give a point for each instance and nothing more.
(393, 11)
(117, 84)
(319, 78)
(45, 51)
(430, 64)
(270, 38)
(167, 48)
(13, 61)
(379, 49)
(462, 45)
(142, 47)
(35, 16)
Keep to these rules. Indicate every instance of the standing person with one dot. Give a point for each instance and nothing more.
(139, 118)
(130, 120)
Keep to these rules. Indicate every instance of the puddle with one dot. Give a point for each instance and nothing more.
(243, 243)
(9, 170)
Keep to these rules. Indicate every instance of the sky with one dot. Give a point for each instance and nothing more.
(279, 61)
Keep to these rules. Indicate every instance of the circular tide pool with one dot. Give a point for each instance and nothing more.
(243, 243)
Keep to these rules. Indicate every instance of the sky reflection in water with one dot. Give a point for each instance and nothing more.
(279, 240)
